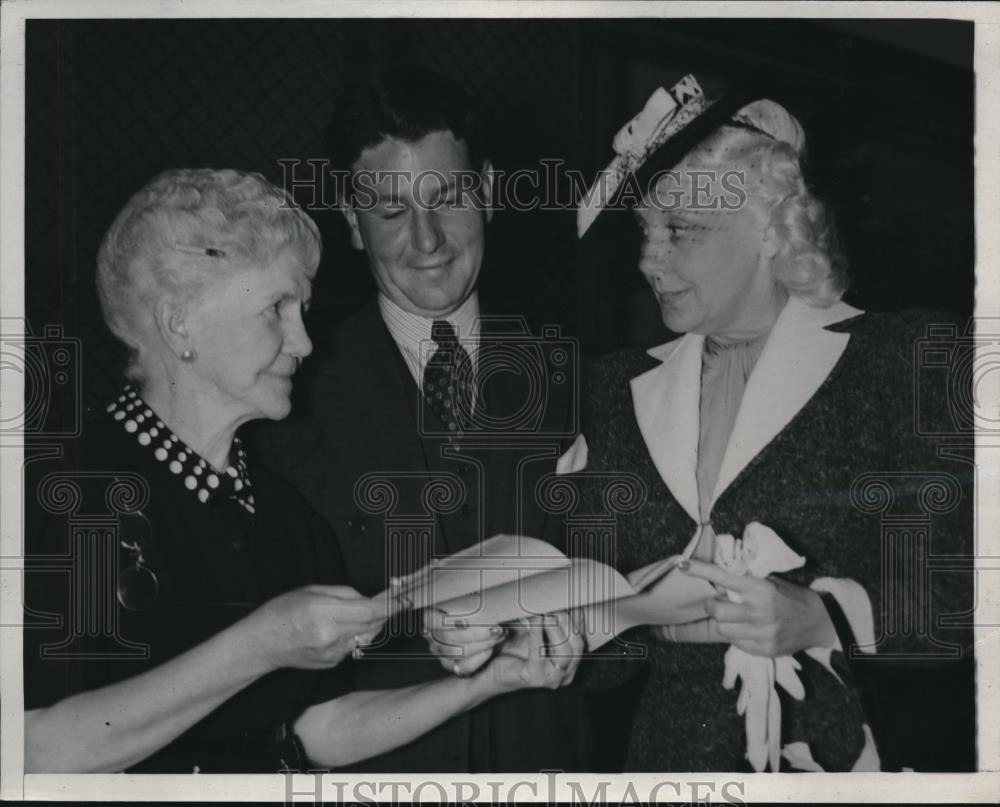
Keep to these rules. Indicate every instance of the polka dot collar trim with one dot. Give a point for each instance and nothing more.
(191, 469)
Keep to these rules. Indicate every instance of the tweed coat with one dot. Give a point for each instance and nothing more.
(360, 434)
(828, 452)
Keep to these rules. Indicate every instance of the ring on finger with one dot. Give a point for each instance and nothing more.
(356, 650)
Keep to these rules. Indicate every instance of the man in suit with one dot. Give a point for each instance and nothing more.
(429, 425)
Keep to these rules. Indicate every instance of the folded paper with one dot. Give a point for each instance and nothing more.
(510, 577)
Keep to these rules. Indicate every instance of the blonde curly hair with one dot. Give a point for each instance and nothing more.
(767, 145)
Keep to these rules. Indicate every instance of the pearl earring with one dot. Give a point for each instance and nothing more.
(188, 355)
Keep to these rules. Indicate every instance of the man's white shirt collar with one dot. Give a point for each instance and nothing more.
(412, 333)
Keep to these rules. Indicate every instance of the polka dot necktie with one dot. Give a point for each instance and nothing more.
(449, 386)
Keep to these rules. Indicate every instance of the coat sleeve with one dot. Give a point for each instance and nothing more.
(920, 581)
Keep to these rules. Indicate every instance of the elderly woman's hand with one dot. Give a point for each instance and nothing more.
(565, 641)
(775, 617)
(315, 627)
(533, 655)
(563, 637)
(464, 649)
(460, 647)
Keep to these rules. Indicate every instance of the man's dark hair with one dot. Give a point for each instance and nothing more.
(404, 102)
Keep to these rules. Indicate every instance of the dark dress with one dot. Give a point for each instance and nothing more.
(875, 461)
(219, 545)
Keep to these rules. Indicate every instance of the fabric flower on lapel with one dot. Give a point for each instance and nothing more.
(759, 553)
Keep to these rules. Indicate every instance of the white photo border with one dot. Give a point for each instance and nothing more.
(981, 786)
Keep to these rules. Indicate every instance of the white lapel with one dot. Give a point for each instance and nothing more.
(666, 401)
(797, 357)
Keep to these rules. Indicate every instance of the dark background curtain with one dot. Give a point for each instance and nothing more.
(887, 105)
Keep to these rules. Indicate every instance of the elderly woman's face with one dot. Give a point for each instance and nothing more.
(707, 264)
(249, 337)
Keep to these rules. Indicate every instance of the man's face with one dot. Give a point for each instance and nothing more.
(425, 250)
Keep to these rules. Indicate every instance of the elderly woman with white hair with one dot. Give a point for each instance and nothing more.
(208, 643)
(773, 439)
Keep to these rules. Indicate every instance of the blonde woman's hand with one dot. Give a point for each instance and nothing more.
(774, 617)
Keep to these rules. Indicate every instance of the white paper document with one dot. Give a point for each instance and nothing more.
(510, 577)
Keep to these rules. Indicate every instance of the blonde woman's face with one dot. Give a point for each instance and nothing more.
(707, 262)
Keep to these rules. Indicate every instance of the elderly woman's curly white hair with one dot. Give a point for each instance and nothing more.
(767, 145)
(182, 231)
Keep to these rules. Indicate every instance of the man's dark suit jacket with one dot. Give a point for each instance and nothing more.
(370, 457)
